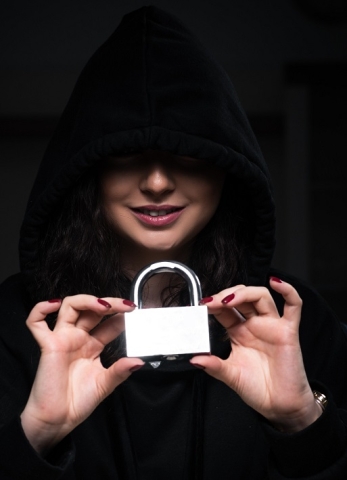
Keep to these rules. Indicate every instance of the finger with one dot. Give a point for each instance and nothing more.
(228, 317)
(237, 304)
(214, 304)
(86, 311)
(218, 297)
(292, 300)
(214, 366)
(89, 320)
(36, 321)
(72, 308)
(118, 372)
(109, 329)
(252, 301)
(246, 310)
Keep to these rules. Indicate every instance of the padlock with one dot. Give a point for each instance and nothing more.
(170, 332)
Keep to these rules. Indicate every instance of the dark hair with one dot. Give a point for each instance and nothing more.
(78, 250)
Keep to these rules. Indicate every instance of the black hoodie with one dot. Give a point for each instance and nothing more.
(152, 85)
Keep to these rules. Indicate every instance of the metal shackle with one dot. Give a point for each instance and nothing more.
(163, 267)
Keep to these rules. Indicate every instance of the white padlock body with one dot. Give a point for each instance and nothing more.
(167, 331)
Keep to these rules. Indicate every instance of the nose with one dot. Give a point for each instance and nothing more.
(157, 179)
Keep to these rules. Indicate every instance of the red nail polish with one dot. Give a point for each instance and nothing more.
(129, 303)
(275, 279)
(104, 303)
(205, 300)
(54, 300)
(228, 298)
(135, 367)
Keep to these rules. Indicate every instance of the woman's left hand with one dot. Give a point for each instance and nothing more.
(265, 366)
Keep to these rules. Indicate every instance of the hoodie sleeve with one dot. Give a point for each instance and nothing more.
(318, 452)
(18, 360)
(19, 461)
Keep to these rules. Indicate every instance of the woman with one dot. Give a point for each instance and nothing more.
(154, 159)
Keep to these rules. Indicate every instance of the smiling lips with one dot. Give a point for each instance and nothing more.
(157, 215)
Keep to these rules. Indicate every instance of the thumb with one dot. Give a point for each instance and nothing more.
(120, 371)
(214, 366)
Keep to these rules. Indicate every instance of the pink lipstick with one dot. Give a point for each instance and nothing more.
(157, 215)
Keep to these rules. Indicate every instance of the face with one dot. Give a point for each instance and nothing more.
(158, 202)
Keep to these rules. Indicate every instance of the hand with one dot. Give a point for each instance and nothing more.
(265, 366)
(71, 381)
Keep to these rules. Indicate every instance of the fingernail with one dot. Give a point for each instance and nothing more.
(275, 279)
(205, 300)
(135, 367)
(129, 303)
(197, 365)
(54, 300)
(228, 298)
(104, 303)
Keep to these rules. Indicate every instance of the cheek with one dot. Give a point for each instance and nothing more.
(211, 190)
(113, 190)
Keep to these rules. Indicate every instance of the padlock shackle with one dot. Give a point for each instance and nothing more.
(163, 267)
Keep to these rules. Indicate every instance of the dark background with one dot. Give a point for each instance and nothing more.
(287, 59)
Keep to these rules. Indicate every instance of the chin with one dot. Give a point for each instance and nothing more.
(162, 248)
(167, 248)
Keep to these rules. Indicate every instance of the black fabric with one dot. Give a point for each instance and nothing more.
(290, 449)
(148, 423)
(152, 85)
(29, 464)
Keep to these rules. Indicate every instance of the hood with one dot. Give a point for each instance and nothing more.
(152, 85)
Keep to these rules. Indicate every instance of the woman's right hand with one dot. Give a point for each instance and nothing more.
(71, 381)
